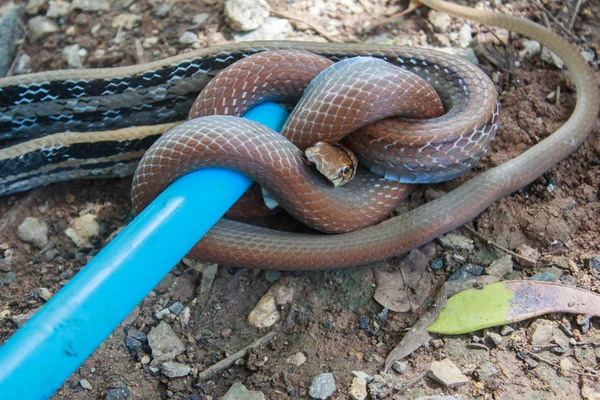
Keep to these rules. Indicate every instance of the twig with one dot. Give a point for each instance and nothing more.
(538, 358)
(504, 249)
(553, 18)
(229, 361)
(416, 380)
(312, 26)
(575, 12)
(557, 95)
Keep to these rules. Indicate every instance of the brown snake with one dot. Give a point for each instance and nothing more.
(233, 243)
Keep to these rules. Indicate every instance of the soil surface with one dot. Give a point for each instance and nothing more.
(332, 317)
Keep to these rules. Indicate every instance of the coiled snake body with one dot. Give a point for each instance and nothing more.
(36, 103)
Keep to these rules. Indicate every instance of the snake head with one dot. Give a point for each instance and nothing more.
(336, 162)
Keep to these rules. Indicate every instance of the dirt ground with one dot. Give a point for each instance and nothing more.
(332, 314)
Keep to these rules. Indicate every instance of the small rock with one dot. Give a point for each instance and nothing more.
(225, 333)
(161, 314)
(22, 66)
(164, 342)
(33, 231)
(439, 20)
(363, 375)
(172, 369)
(188, 37)
(163, 10)
(272, 276)
(437, 264)
(551, 58)
(43, 293)
(529, 48)
(265, 314)
(494, 338)
(176, 307)
(501, 266)
(246, 15)
(399, 366)
(546, 276)
(465, 35)
(136, 334)
(40, 27)
(119, 393)
(565, 366)
(272, 29)
(322, 386)
(33, 6)
(506, 330)
(466, 272)
(239, 392)
(91, 5)
(528, 252)
(126, 21)
(540, 332)
(358, 389)
(296, 359)
(74, 56)
(19, 320)
(57, 9)
(457, 242)
(201, 19)
(560, 261)
(588, 56)
(446, 373)
(149, 42)
(487, 371)
(85, 384)
(83, 228)
(133, 344)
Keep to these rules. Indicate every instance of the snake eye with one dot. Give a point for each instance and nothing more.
(345, 170)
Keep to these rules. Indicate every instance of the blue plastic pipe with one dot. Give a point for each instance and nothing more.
(40, 356)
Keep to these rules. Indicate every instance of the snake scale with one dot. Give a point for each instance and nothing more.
(159, 94)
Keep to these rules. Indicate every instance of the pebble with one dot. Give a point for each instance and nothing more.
(91, 5)
(164, 342)
(172, 369)
(33, 6)
(494, 338)
(506, 330)
(272, 276)
(225, 333)
(188, 37)
(74, 56)
(486, 371)
(149, 42)
(163, 9)
(588, 56)
(127, 21)
(161, 314)
(565, 366)
(176, 307)
(83, 228)
(399, 366)
(358, 389)
(22, 66)
(363, 375)
(43, 293)
(439, 20)
(528, 252)
(19, 320)
(34, 231)
(40, 27)
(136, 334)
(239, 392)
(246, 15)
(501, 266)
(133, 344)
(457, 242)
(265, 314)
(446, 373)
(296, 359)
(540, 332)
(201, 19)
(551, 58)
(437, 264)
(85, 384)
(322, 386)
(529, 48)
(466, 272)
(465, 35)
(119, 393)
(546, 276)
(8, 277)
(272, 29)
(57, 9)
